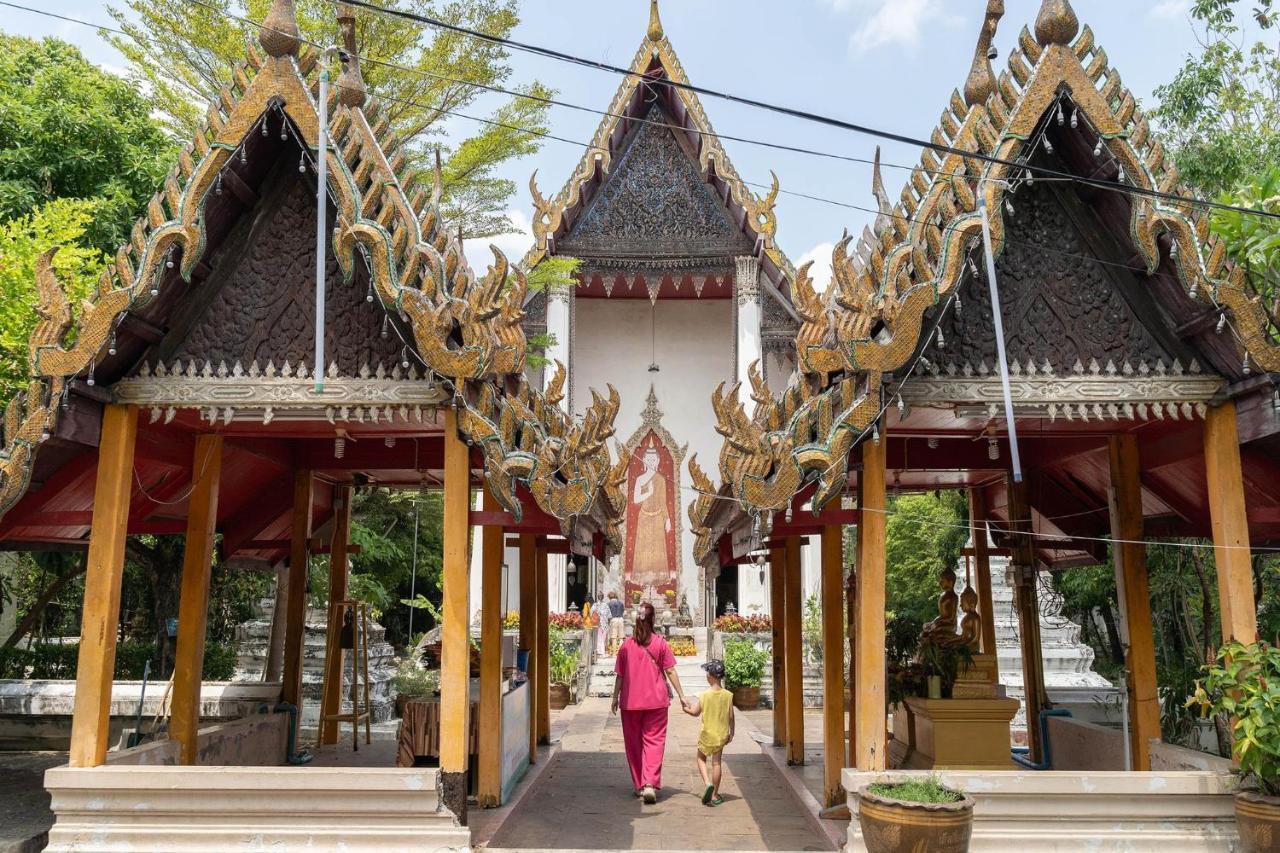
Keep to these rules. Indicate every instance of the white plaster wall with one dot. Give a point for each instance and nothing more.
(611, 343)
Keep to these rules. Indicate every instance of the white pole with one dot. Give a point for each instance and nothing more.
(1124, 718)
(322, 211)
(999, 325)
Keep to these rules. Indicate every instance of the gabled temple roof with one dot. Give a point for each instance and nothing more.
(656, 63)
(465, 329)
(871, 322)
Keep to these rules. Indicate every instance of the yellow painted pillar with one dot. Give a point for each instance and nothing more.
(296, 610)
(331, 702)
(489, 783)
(982, 568)
(1135, 597)
(1230, 526)
(455, 649)
(832, 663)
(193, 606)
(778, 638)
(1027, 605)
(95, 672)
(870, 742)
(529, 631)
(543, 650)
(794, 660)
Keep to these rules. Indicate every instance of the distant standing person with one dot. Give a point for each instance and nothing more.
(644, 663)
(615, 622)
(715, 707)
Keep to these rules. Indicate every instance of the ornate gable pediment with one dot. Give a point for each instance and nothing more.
(654, 203)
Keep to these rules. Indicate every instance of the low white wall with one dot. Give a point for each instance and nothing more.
(1077, 745)
(257, 741)
(1167, 756)
(281, 809)
(1064, 812)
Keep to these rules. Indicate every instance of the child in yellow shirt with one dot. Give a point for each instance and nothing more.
(715, 707)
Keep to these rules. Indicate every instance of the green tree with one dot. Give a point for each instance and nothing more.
(71, 130)
(184, 53)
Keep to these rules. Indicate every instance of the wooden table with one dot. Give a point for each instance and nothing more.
(420, 731)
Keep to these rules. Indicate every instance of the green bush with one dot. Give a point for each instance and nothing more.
(744, 664)
(1243, 684)
(59, 660)
(564, 660)
(413, 681)
(219, 662)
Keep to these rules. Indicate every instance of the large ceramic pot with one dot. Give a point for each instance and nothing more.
(559, 696)
(897, 826)
(1258, 821)
(746, 698)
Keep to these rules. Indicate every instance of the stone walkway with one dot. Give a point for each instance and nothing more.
(583, 801)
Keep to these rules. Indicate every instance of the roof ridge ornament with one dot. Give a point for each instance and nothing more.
(352, 91)
(654, 33)
(279, 35)
(982, 80)
(1057, 23)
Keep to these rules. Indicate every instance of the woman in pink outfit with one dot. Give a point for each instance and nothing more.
(644, 664)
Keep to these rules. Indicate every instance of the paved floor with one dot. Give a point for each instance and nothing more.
(584, 800)
(811, 773)
(24, 803)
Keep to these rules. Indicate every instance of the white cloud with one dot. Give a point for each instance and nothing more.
(820, 272)
(513, 245)
(895, 22)
(1170, 10)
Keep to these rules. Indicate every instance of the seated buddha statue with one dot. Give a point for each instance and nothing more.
(942, 630)
(970, 623)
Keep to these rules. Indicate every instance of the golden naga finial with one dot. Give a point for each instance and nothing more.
(279, 35)
(885, 205)
(982, 80)
(351, 89)
(1057, 22)
(655, 23)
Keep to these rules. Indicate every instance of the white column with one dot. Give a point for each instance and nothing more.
(558, 296)
(747, 296)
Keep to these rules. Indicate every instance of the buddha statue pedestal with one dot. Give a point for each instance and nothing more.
(954, 734)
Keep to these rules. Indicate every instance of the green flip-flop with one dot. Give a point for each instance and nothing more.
(706, 795)
(718, 801)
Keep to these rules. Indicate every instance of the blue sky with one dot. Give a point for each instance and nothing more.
(890, 64)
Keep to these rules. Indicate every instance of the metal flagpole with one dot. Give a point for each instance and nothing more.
(413, 573)
(322, 211)
(999, 326)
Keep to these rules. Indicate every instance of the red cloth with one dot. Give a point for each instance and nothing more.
(644, 737)
(641, 669)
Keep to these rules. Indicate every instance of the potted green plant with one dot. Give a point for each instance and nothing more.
(942, 666)
(413, 681)
(563, 669)
(1243, 684)
(744, 664)
(915, 815)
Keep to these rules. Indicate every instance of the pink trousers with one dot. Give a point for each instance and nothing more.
(644, 736)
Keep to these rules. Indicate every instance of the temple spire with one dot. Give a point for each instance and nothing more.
(655, 22)
(1057, 22)
(982, 80)
(351, 88)
(279, 35)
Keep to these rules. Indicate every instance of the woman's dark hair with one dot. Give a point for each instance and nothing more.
(644, 624)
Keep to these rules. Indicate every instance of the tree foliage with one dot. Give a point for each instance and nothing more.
(184, 53)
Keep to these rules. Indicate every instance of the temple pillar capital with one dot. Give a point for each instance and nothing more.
(746, 279)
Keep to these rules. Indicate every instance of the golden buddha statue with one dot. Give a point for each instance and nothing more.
(942, 630)
(970, 623)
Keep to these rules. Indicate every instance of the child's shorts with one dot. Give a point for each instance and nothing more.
(709, 746)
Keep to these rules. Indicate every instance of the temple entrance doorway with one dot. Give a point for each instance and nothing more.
(726, 597)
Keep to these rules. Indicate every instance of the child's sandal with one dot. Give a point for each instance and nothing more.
(718, 801)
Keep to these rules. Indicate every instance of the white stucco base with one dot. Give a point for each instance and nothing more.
(1059, 811)
(188, 809)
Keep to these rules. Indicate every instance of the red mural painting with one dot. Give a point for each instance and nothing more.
(649, 570)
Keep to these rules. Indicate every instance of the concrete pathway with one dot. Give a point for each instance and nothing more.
(583, 799)
(25, 816)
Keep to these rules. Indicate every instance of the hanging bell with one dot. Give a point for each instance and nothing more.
(347, 637)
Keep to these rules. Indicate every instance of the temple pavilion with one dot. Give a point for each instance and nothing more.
(211, 388)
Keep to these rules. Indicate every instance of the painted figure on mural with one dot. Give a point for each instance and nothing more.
(649, 563)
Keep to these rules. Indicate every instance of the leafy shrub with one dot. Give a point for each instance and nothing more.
(219, 662)
(414, 681)
(1242, 684)
(565, 621)
(59, 661)
(564, 660)
(744, 664)
(739, 624)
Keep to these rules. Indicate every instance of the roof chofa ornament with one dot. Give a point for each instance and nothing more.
(279, 35)
(655, 23)
(1057, 23)
(351, 88)
(982, 80)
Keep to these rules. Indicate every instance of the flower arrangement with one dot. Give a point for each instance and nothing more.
(682, 647)
(566, 621)
(511, 621)
(738, 624)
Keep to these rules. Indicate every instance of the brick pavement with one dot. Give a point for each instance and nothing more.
(584, 801)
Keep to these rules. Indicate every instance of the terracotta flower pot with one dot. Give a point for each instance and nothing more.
(559, 696)
(1258, 821)
(746, 698)
(898, 826)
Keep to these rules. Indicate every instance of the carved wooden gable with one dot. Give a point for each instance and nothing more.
(1061, 304)
(654, 203)
(260, 302)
